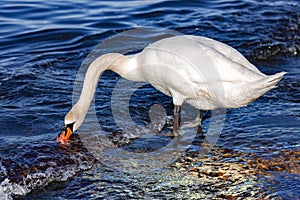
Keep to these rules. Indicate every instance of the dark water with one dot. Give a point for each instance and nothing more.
(43, 44)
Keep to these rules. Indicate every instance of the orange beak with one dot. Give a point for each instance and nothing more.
(64, 136)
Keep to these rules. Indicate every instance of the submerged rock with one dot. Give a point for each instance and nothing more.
(239, 178)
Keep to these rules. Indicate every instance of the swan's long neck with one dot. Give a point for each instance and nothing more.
(124, 66)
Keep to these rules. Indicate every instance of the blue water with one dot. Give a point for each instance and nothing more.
(44, 43)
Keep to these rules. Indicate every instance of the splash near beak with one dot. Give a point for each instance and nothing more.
(64, 136)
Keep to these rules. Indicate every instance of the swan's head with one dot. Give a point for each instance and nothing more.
(72, 123)
(64, 136)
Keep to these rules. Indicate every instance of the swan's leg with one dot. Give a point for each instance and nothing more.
(176, 120)
(199, 121)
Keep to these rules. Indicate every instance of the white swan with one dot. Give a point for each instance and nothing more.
(200, 71)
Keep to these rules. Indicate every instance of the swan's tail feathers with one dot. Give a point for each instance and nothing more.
(270, 82)
(265, 84)
(258, 88)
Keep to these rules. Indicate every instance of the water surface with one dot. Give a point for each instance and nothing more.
(42, 46)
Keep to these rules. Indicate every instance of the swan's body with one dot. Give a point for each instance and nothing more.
(200, 71)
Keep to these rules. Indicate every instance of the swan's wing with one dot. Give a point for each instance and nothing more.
(226, 50)
(197, 59)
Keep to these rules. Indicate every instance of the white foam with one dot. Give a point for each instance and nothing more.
(7, 189)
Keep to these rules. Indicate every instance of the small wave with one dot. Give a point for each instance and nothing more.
(41, 164)
(268, 50)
